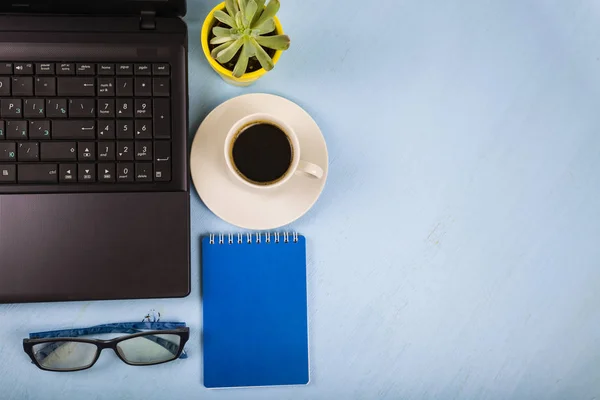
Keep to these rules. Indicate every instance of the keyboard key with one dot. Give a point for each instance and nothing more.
(67, 173)
(106, 69)
(86, 173)
(39, 130)
(8, 151)
(106, 108)
(124, 108)
(143, 108)
(2, 131)
(161, 87)
(143, 129)
(8, 173)
(162, 161)
(125, 129)
(162, 118)
(44, 69)
(87, 151)
(106, 130)
(82, 129)
(143, 69)
(28, 151)
(65, 69)
(11, 108)
(16, 130)
(106, 151)
(45, 86)
(124, 69)
(56, 108)
(82, 108)
(143, 86)
(124, 87)
(143, 150)
(161, 69)
(106, 172)
(58, 151)
(76, 87)
(86, 69)
(125, 172)
(4, 86)
(6, 68)
(143, 172)
(37, 173)
(106, 87)
(22, 86)
(125, 151)
(23, 69)
(34, 108)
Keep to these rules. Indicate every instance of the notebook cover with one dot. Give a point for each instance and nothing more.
(255, 330)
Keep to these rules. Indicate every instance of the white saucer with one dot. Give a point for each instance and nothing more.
(232, 201)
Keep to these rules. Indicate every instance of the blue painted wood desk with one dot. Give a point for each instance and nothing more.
(455, 251)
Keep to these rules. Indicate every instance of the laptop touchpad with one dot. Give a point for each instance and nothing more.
(93, 246)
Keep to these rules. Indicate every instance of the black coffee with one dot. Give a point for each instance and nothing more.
(262, 153)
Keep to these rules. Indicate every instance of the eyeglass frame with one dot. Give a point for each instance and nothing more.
(153, 328)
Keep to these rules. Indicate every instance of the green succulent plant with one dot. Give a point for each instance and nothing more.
(250, 30)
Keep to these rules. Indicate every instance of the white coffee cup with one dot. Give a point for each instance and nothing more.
(297, 165)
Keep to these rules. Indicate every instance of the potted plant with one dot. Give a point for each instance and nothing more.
(243, 39)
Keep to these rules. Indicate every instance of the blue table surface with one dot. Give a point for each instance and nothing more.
(454, 253)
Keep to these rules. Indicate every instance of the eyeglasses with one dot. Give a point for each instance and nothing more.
(148, 343)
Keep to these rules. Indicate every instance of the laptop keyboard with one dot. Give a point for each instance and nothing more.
(84, 123)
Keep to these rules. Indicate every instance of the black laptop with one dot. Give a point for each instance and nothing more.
(94, 190)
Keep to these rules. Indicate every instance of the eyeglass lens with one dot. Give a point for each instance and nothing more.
(150, 349)
(65, 355)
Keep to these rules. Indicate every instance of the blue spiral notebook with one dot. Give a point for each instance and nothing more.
(255, 328)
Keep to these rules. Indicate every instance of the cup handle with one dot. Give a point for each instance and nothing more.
(310, 170)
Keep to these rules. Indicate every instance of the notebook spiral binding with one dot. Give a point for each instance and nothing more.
(257, 238)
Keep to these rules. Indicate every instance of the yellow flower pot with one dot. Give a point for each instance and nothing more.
(227, 75)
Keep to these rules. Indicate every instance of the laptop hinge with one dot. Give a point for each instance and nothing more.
(148, 20)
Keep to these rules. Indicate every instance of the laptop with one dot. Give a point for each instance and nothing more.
(94, 188)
